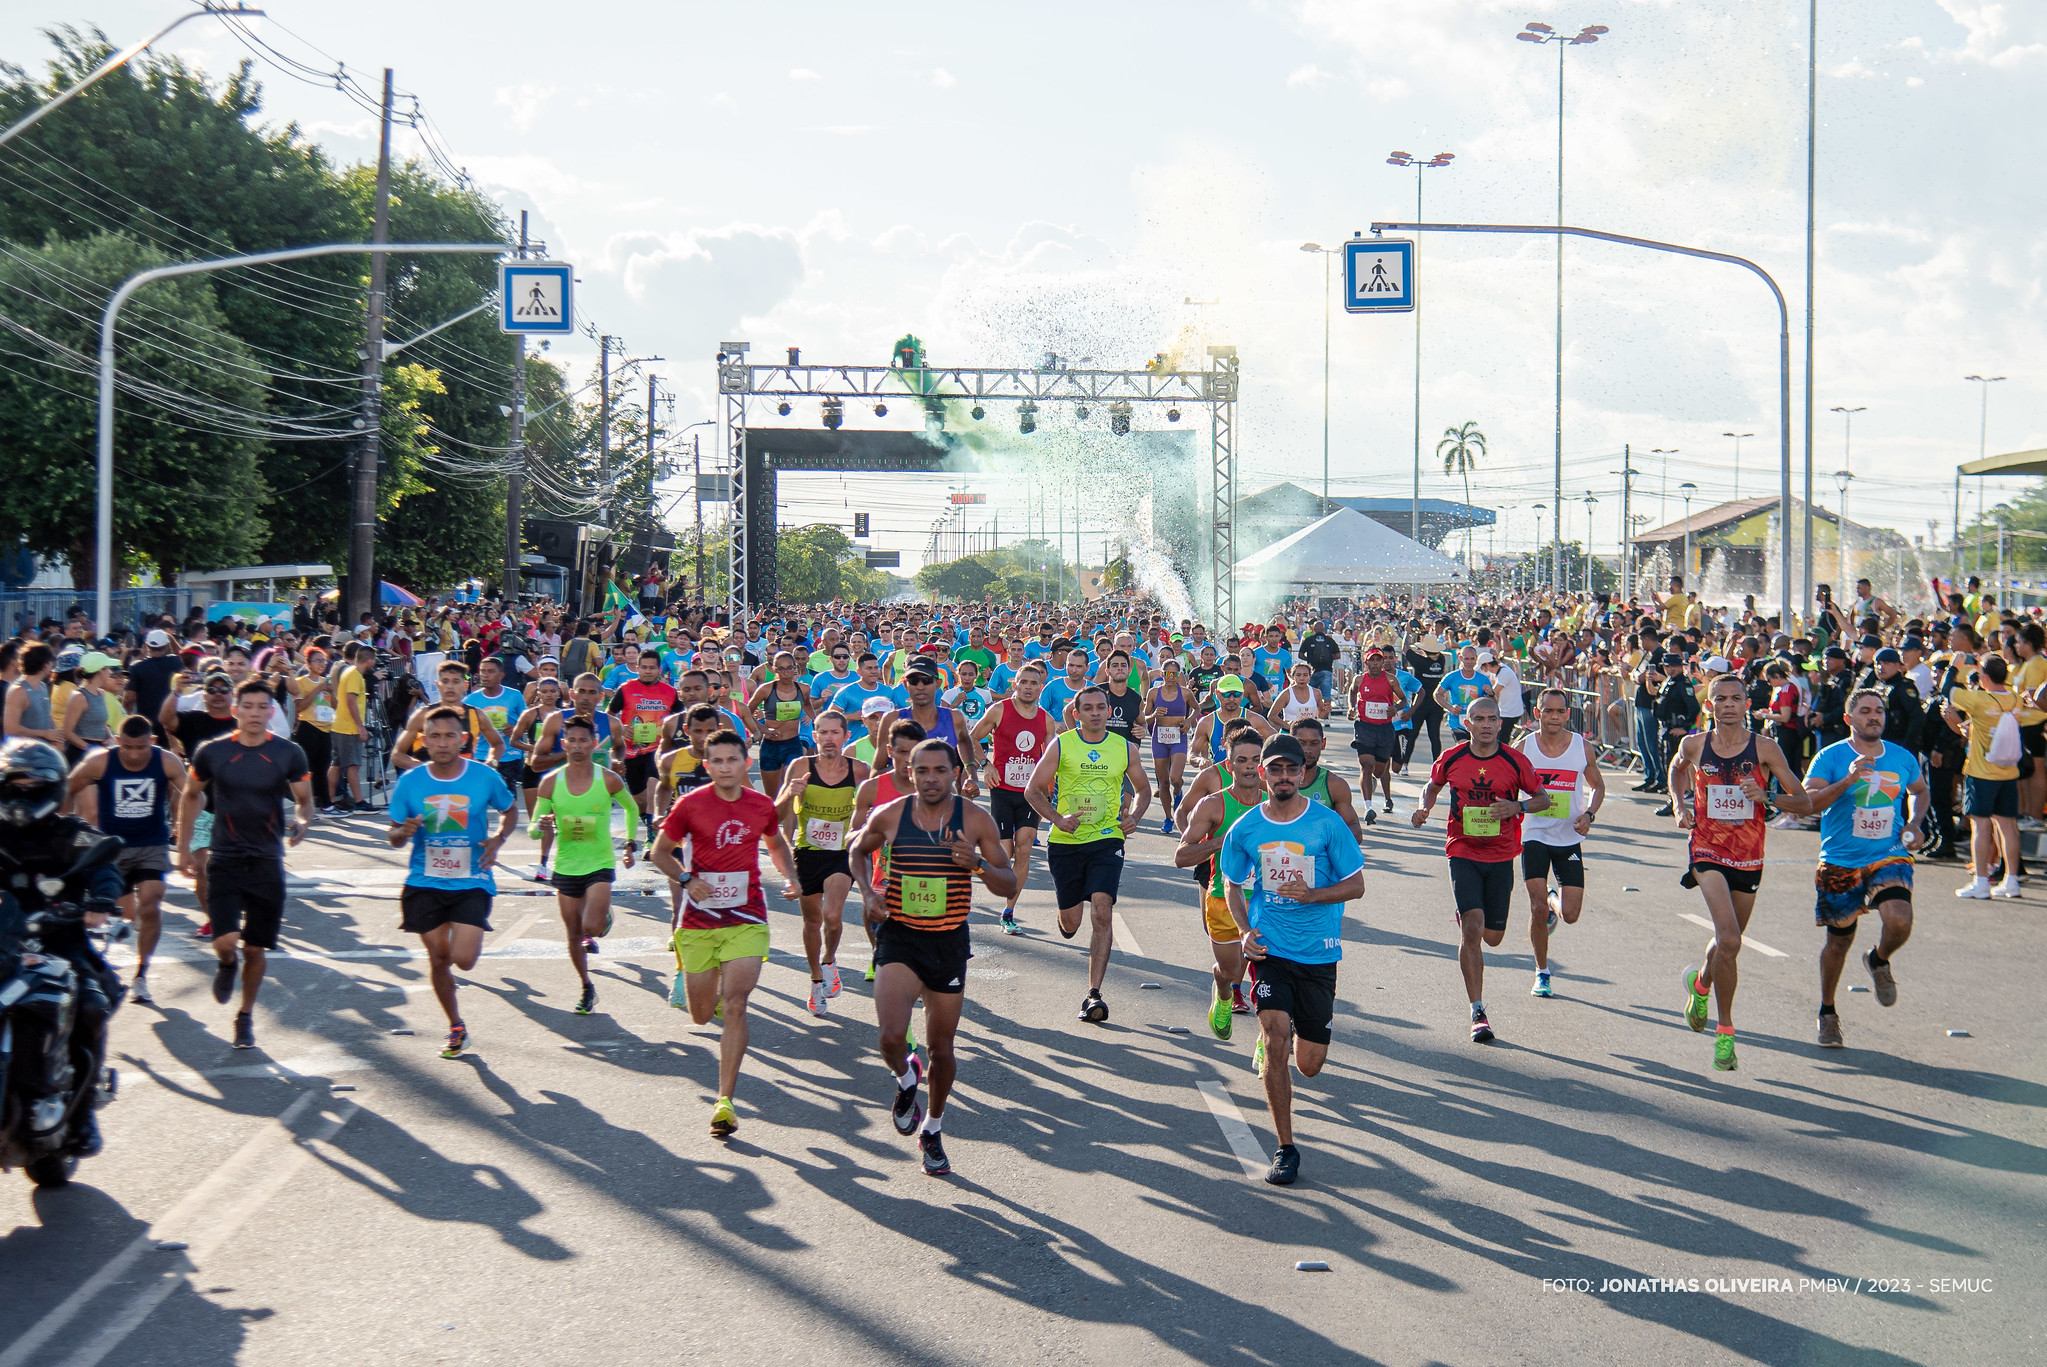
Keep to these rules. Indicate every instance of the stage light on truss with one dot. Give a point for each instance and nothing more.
(834, 413)
(977, 412)
(1172, 415)
(1080, 411)
(1119, 418)
(1027, 417)
(783, 408)
(881, 410)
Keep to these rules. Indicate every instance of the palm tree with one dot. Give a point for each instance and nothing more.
(1460, 449)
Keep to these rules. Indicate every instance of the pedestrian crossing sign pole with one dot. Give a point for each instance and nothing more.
(1378, 275)
(536, 298)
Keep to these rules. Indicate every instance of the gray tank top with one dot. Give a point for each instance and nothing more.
(35, 713)
(92, 724)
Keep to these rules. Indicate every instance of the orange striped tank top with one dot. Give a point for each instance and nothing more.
(927, 890)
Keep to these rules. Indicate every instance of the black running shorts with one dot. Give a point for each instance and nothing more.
(1306, 992)
(1012, 812)
(1081, 871)
(938, 957)
(1539, 861)
(1484, 885)
(814, 866)
(424, 909)
(246, 896)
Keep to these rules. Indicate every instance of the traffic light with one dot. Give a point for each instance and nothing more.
(859, 525)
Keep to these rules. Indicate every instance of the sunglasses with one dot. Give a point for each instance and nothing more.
(220, 688)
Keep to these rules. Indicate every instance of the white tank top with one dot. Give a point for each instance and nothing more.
(1564, 777)
(1295, 708)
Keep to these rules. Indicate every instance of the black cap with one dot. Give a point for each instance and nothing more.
(1912, 643)
(1836, 653)
(922, 664)
(1887, 656)
(1284, 747)
(1871, 641)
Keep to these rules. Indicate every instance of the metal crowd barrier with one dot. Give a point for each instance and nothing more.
(1589, 719)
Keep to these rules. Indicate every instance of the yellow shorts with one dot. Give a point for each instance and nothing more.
(701, 949)
(1222, 926)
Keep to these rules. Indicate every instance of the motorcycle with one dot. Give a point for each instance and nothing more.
(41, 1085)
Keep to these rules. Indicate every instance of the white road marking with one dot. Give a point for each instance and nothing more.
(1746, 943)
(1241, 1141)
(205, 1219)
(1123, 935)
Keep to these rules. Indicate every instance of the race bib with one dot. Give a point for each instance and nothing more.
(646, 732)
(1558, 806)
(788, 711)
(1378, 711)
(1874, 823)
(922, 895)
(323, 714)
(1479, 821)
(1275, 867)
(1017, 773)
(1089, 809)
(448, 861)
(497, 716)
(820, 834)
(1168, 735)
(573, 827)
(727, 889)
(1727, 802)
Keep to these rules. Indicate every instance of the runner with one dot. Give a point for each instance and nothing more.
(1090, 820)
(1288, 865)
(525, 733)
(816, 803)
(1210, 732)
(442, 809)
(584, 866)
(885, 786)
(501, 706)
(1319, 783)
(1486, 785)
(921, 679)
(1022, 732)
(640, 705)
(127, 792)
(1377, 698)
(1866, 848)
(1166, 714)
(721, 939)
(1728, 770)
(936, 841)
(1460, 689)
(1298, 699)
(1201, 840)
(782, 707)
(452, 682)
(245, 776)
(1552, 834)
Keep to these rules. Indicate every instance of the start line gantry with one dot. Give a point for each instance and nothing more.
(756, 461)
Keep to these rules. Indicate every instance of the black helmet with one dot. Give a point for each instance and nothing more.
(32, 781)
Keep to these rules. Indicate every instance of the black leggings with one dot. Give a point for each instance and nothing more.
(1429, 714)
(318, 748)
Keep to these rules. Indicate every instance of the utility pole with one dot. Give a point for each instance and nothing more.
(648, 504)
(363, 595)
(1627, 523)
(515, 482)
(604, 428)
(696, 457)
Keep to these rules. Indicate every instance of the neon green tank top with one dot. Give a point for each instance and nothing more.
(1232, 809)
(1318, 791)
(1091, 786)
(823, 810)
(582, 823)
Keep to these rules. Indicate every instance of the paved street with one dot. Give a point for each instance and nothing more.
(554, 1196)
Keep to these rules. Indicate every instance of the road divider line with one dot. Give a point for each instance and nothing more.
(1123, 935)
(1746, 943)
(1236, 1132)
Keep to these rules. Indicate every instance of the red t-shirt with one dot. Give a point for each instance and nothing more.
(641, 706)
(724, 849)
(1377, 699)
(1475, 784)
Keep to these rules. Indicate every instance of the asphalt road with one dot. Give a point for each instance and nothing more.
(1585, 1188)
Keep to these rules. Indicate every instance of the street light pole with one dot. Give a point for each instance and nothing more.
(1842, 478)
(1685, 492)
(1982, 451)
(1539, 509)
(1435, 163)
(1543, 33)
(1589, 501)
(111, 64)
(1737, 458)
(1325, 253)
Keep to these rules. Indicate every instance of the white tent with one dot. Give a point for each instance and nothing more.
(1347, 547)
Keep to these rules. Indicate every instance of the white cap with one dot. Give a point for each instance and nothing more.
(1485, 657)
(159, 637)
(876, 705)
(1718, 665)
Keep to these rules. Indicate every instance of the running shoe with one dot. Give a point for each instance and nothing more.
(935, 1163)
(245, 1030)
(1286, 1166)
(536, 873)
(224, 977)
(1258, 1056)
(818, 998)
(1977, 889)
(870, 970)
(1009, 925)
(908, 1111)
(718, 1010)
(330, 810)
(1219, 1020)
(1554, 903)
(1389, 806)
(1879, 977)
(1723, 1052)
(458, 1040)
(1541, 988)
(1093, 1009)
(1695, 1001)
(1371, 816)
(590, 945)
(203, 931)
(1481, 1028)
(1665, 810)
(1167, 827)
(138, 991)
(724, 1120)
(832, 985)
(2008, 889)
(1238, 1005)
(608, 914)
(1830, 1031)
(587, 1003)
(678, 996)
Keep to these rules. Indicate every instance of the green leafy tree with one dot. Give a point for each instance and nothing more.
(1460, 451)
(807, 560)
(188, 493)
(964, 580)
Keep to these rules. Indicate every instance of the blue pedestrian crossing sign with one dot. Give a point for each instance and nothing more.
(1378, 275)
(536, 298)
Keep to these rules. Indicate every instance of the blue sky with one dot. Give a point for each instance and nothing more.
(1002, 180)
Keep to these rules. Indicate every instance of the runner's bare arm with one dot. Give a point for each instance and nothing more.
(985, 727)
(1200, 833)
(1421, 813)
(1207, 782)
(778, 851)
(1818, 796)
(1140, 790)
(794, 780)
(1595, 779)
(1915, 825)
(82, 795)
(996, 874)
(1340, 803)
(1679, 780)
(545, 756)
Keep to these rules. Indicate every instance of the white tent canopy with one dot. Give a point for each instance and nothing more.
(1347, 547)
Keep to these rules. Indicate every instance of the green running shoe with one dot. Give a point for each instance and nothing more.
(724, 1120)
(910, 1038)
(678, 995)
(1219, 1018)
(1695, 1001)
(1723, 1053)
(1258, 1057)
(870, 970)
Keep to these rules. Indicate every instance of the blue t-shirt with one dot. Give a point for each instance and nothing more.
(618, 674)
(447, 847)
(503, 711)
(1463, 690)
(1002, 680)
(1866, 823)
(1057, 694)
(1305, 932)
(1034, 650)
(854, 696)
(1411, 686)
(1272, 665)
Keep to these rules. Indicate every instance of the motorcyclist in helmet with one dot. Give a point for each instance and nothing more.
(47, 859)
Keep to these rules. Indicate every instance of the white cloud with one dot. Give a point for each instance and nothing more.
(1994, 38)
(1309, 76)
(943, 79)
(525, 101)
(803, 73)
